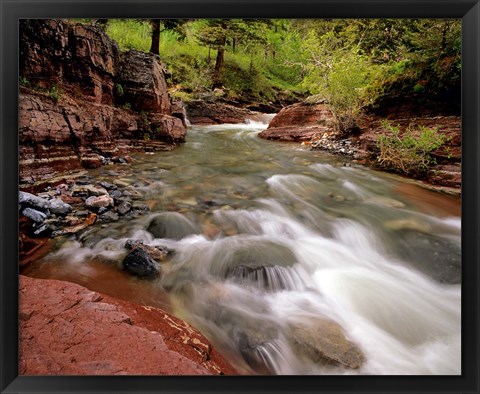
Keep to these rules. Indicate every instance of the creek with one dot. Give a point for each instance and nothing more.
(276, 247)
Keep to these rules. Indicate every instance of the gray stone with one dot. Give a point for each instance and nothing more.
(30, 200)
(171, 225)
(109, 216)
(34, 215)
(59, 207)
(124, 207)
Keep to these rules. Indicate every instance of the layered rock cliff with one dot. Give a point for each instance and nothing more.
(82, 101)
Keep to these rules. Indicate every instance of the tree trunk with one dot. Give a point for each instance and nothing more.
(155, 47)
(217, 75)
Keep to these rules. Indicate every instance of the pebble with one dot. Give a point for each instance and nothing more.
(100, 201)
(109, 216)
(124, 207)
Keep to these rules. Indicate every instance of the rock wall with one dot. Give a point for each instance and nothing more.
(82, 100)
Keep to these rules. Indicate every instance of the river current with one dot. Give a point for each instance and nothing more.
(271, 241)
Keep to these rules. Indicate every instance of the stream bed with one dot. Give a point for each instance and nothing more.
(290, 261)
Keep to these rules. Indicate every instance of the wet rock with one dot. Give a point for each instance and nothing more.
(408, 224)
(109, 216)
(158, 253)
(116, 194)
(121, 183)
(34, 215)
(100, 201)
(171, 225)
(138, 262)
(124, 207)
(107, 185)
(102, 210)
(323, 341)
(45, 230)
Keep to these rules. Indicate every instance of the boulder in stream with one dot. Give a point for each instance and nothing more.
(138, 262)
(171, 225)
(324, 341)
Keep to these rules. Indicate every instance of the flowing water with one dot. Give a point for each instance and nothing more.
(272, 240)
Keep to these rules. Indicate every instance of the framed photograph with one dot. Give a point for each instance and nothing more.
(244, 197)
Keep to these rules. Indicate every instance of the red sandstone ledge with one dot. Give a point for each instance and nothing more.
(66, 329)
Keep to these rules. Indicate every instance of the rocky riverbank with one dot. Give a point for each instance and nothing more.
(313, 124)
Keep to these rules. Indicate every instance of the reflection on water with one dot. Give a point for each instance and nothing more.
(278, 248)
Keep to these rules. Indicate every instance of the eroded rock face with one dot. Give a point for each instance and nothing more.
(66, 329)
(81, 99)
(300, 122)
(142, 77)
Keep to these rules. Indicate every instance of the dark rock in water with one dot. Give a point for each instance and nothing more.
(116, 194)
(107, 185)
(138, 262)
(131, 244)
(323, 341)
(109, 216)
(158, 253)
(102, 210)
(171, 225)
(124, 207)
(444, 264)
(44, 229)
(83, 180)
(34, 215)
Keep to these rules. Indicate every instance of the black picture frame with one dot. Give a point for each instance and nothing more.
(13, 10)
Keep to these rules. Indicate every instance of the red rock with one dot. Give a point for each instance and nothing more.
(300, 122)
(66, 329)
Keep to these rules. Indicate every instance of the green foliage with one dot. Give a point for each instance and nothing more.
(130, 33)
(55, 93)
(24, 82)
(127, 106)
(119, 90)
(341, 74)
(408, 153)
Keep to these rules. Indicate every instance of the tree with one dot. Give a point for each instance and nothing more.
(217, 33)
(168, 24)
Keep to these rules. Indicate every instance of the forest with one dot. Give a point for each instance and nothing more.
(354, 64)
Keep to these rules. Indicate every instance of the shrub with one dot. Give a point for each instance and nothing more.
(24, 82)
(408, 153)
(55, 93)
